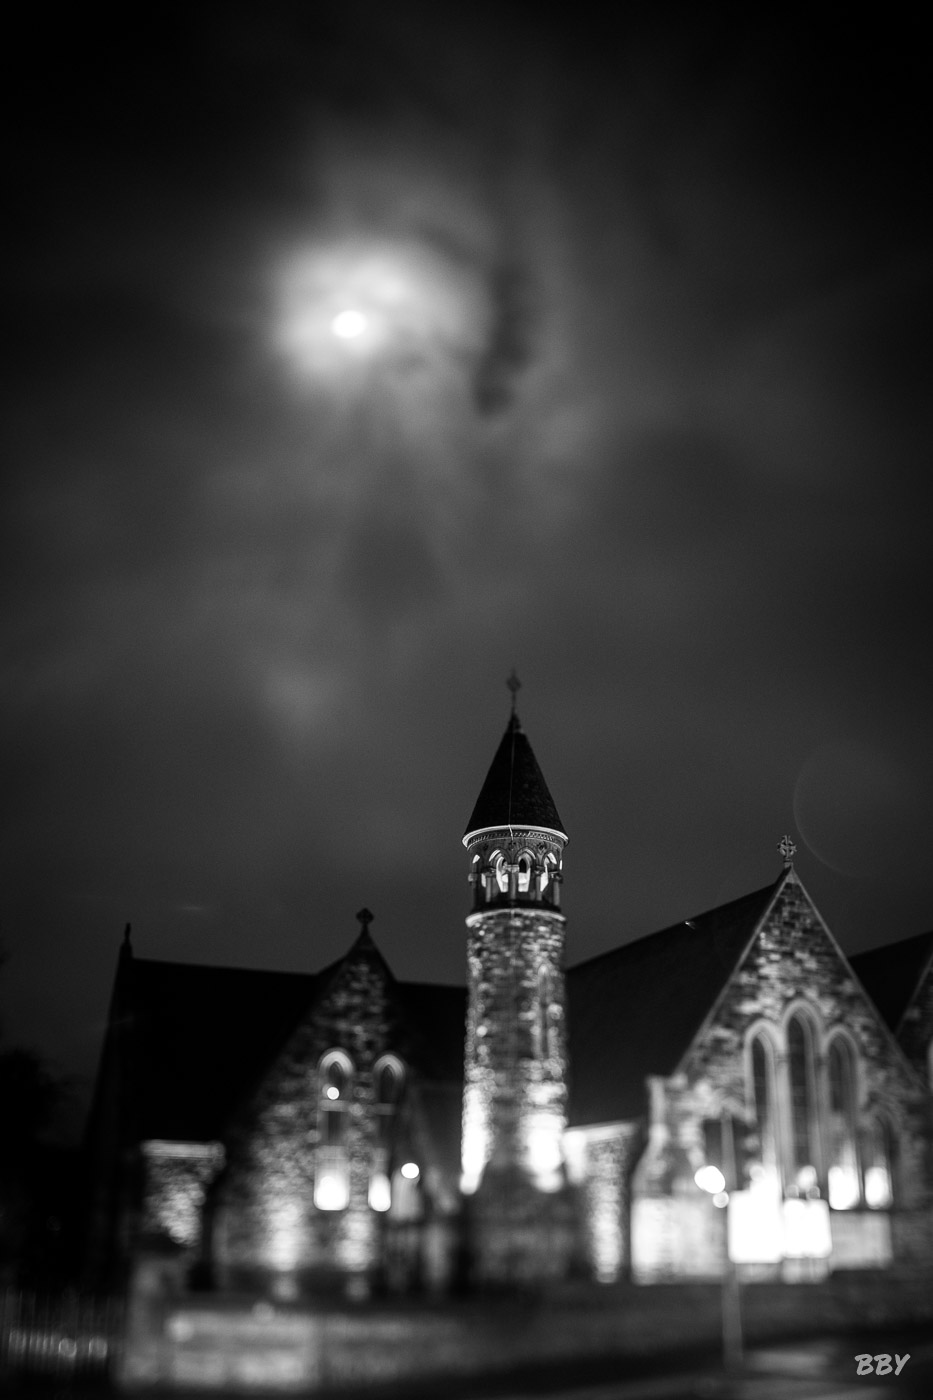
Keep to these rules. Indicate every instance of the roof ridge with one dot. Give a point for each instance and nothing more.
(218, 967)
(753, 895)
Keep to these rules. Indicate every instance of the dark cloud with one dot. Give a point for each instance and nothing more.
(648, 420)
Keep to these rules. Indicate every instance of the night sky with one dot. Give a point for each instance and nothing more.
(639, 404)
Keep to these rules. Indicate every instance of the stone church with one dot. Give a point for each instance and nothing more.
(732, 1087)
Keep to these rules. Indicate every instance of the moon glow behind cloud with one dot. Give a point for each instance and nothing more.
(388, 303)
(349, 324)
(639, 406)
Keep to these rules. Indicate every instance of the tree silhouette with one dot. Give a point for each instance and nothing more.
(36, 1179)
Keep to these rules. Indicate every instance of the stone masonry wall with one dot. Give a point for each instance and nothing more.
(793, 958)
(506, 1078)
(265, 1216)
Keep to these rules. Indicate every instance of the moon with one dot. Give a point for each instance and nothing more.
(349, 324)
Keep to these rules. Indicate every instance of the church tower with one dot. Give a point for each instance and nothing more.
(515, 1077)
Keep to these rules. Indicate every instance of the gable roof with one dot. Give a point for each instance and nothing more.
(891, 974)
(437, 1016)
(199, 1038)
(637, 1008)
(199, 1035)
(514, 792)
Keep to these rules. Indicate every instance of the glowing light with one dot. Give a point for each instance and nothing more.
(807, 1230)
(410, 1171)
(349, 324)
(332, 1091)
(475, 1148)
(710, 1179)
(843, 1188)
(878, 1187)
(806, 1179)
(380, 1193)
(755, 1228)
(543, 1147)
(385, 300)
(331, 1192)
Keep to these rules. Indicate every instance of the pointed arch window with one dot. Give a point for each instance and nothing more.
(804, 1174)
(880, 1165)
(388, 1078)
(841, 1132)
(332, 1175)
(525, 865)
(388, 1082)
(764, 1109)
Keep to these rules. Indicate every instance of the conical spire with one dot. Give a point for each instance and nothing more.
(514, 793)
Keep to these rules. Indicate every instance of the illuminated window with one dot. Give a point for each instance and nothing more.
(713, 1147)
(879, 1165)
(331, 1176)
(388, 1079)
(524, 873)
(808, 1126)
(841, 1132)
(803, 1163)
(763, 1105)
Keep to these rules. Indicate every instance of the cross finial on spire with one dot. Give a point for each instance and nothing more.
(365, 918)
(788, 850)
(515, 685)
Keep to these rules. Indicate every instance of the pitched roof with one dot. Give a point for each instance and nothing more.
(890, 974)
(437, 1015)
(201, 1037)
(514, 792)
(637, 1008)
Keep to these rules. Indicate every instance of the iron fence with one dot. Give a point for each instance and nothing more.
(59, 1335)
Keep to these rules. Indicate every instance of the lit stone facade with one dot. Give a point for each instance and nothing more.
(520, 1218)
(345, 1129)
(792, 974)
(177, 1175)
(600, 1161)
(515, 1073)
(295, 1198)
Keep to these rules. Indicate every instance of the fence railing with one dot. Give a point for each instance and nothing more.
(58, 1334)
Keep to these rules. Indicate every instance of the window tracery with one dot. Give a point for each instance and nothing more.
(388, 1083)
(804, 1173)
(804, 1116)
(842, 1156)
(764, 1103)
(332, 1176)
